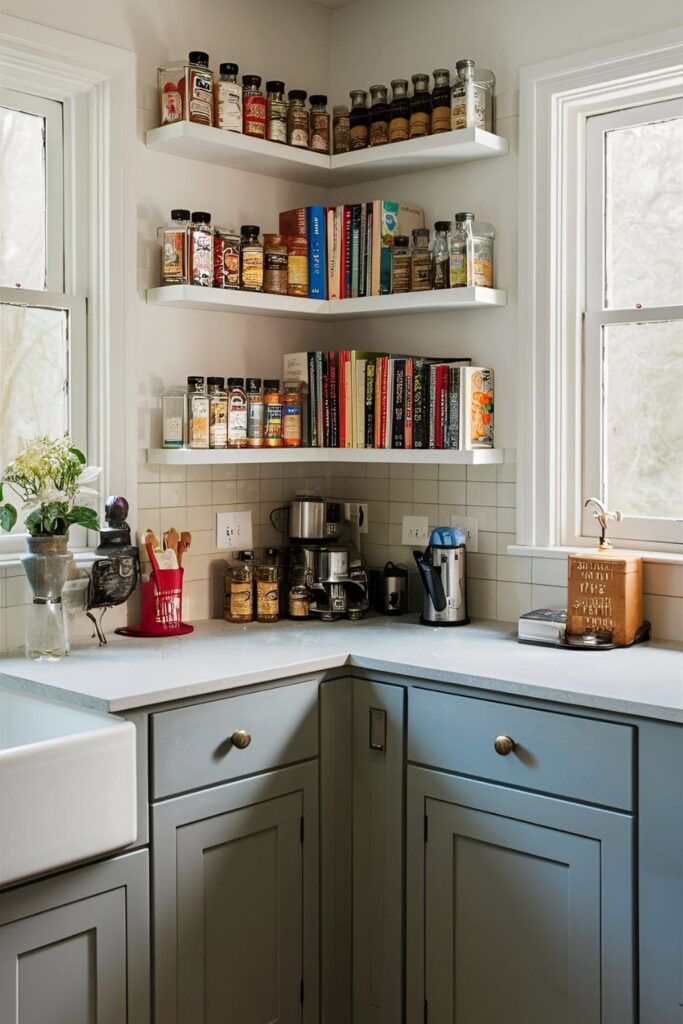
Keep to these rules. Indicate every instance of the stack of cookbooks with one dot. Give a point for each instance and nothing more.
(543, 626)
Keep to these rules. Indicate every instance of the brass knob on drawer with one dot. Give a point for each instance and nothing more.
(240, 739)
(504, 745)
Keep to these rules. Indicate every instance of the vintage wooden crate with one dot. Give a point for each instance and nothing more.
(605, 593)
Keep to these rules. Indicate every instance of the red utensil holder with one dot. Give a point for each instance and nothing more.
(161, 606)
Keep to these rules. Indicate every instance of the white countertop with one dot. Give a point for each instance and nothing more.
(644, 680)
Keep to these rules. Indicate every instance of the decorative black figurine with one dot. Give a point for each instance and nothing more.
(115, 575)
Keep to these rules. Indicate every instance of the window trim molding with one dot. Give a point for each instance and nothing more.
(96, 82)
(556, 97)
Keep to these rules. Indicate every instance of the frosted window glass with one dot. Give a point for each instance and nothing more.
(644, 215)
(22, 200)
(643, 418)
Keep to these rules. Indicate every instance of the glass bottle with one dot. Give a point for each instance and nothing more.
(298, 122)
(298, 601)
(173, 238)
(420, 107)
(254, 107)
(291, 414)
(320, 125)
(441, 102)
(173, 413)
(267, 593)
(237, 413)
(251, 259)
(379, 116)
(197, 413)
(472, 97)
(272, 401)
(459, 245)
(226, 258)
(399, 111)
(171, 91)
(228, 99)
(359, 120)
(276, 112)
(254, 413)
(442, 277)
(297, 266)
(193, 92)
(200, 249)
(420, 262)
(340, 128)
(275, 264)
(480, 264)
(218, 413)
(239, 589)
(400, 265)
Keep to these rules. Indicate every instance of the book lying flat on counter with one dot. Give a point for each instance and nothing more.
(549, 624)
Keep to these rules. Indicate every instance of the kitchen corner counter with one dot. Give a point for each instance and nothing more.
(646, 680)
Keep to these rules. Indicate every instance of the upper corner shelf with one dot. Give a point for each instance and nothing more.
(243, 153)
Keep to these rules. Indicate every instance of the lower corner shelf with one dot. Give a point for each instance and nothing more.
(197, 457)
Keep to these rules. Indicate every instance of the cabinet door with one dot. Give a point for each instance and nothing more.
(235, 892)
(527, 905)
(74, 949)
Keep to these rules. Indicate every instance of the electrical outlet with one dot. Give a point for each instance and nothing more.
(233, 531)
(415, 530)
(470, 527)
(357, 512)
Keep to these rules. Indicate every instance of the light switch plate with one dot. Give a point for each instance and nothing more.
(233, 531)
(415, 530)
(470, 527)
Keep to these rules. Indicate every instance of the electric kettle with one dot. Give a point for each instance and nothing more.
(442, 570)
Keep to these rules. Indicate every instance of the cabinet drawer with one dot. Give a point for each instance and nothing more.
(192, 747)
(569, 756)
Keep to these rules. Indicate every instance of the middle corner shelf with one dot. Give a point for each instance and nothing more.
(184, 296)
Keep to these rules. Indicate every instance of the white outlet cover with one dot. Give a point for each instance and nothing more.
(357, 512)
(415, 530)
(470, 527)
(233, 531)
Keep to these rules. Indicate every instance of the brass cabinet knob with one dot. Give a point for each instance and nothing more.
(240, 739)
(504, 745)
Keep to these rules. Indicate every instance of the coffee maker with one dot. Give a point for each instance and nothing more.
(442, 570)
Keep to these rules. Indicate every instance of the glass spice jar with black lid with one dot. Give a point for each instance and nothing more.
(340, 128)
(320, 124)
(399, 111)
(420, 107)
(441, 268)
(254, 107)
(298, 122)
(400, 265)
(379, 116)
(228, 99)
(276, 112)
(251, 259)
(359, 120)
(441, 102)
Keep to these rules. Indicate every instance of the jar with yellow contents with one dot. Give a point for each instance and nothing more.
(239, 589)
(267, 593)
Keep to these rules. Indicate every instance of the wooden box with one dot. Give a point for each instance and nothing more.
(605, 593)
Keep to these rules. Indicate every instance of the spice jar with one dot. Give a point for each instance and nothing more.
(237, 413)
(460, 240)
(173, 405)
(291, 414)
(441, 102)
(480, 265)
(275, 264)
(171, 91)
(442, 230)
(226, 258)
(254, 105)
(197, 413)
(420, 107)
(186, 90)
(297, 266)
(399, 111)
(298, 602)
(276, 112)
(200, 250)
(320, 125)
(251, 259)
(228, 97)
(420, 262)
(340, 128)
(272, 402)
(400, 265)
(379, 116)
(239, 586)
(254, 413)
(298, 127)
(472, 97)
(359, 120)
(173, 238)
(267, 593)
(218, 413)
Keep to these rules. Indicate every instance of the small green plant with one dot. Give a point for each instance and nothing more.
(49, 476)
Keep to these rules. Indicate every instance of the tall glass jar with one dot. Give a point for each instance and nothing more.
(239, 589)
(379, 116)
(298, 122)
(251, 259)
(276, 112)
(228, 96)
(400, 265)
(420, 107)
(359, 120)
(267, 593)
(480, 266)
(272, 400)
(291, 414)
(254, 413)
(237, 413)
(420, 262)
(442, 230)
(173, 238)
(460, 241)
(399, 111)
(254, 106)
(472, 97)
(200, 249)
(275, 264)
(197, 413)
(226, 258)
(186, 90)
(340, 128)
(320, 125)
(173, 415)
(441, 102)
(218, 413)
(297, 266)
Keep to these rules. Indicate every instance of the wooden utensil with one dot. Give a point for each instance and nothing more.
(183, 544)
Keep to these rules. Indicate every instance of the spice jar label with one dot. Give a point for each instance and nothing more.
(252, 269)
(174, 257)
(398, 129)
(201, 97)
(255, 116)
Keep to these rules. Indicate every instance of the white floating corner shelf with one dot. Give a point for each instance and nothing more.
(185, 296)
(258, 156)
(194, 457)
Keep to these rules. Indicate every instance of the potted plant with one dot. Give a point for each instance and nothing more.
(49, 476)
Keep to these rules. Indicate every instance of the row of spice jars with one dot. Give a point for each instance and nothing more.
(194, 252)
(209, 415)
(458, 258)
(191, 92)
(467, 103)
(254, 590)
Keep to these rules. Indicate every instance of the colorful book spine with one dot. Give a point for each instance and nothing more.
(317, 261)
(355, 250)
(346, 257)
(320, 404)
(453, 409)
(313, 391)
(420, 434)
(409, 403)
(370, 368)
(333, 374)
(363, 256)
(398, 411)
(476, 405)
(293, 222)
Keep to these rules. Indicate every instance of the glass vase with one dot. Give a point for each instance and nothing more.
(46, 565)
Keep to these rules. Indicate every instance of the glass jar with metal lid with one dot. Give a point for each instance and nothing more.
(340, 128)
(420, 107)
(472, 97)
(441, 102)
(229, 99)
(298, 122)
(320, 124)
(421, 261)
(276, 112)
(267, 593)
(239, 589)
(399, 111)
(442, 278)
(254, 106)
(379, 116)
(359, 120)
(400, 265)
(275, 264)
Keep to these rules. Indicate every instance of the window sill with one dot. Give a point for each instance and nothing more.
(666, 557)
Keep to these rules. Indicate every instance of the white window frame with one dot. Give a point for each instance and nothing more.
(95, 83)
(556, 100)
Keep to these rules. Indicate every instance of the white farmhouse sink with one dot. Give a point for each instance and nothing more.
(67, 784)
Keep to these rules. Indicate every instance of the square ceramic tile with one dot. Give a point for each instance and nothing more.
(421, 508)
(248, 490)
(660, 578)
(200, 518)
(507, 472)
(199, 599)
(378, 512)
(547, 597)
(503, 542)
(172, 474)
(356, 489)
(378, 471)
(481, 566)
(173, 495)
(506, 520)
(247, 471)
(197, 474)
(446, 511)
(378, 533)
(665, 614)
(452, 492)
(377, 489)
(223, 492)
(203, 542)
(482, 474)
(399, 509)
(485, 516)
(3, 592)
(425, 471)
(376, 555)
(514, 568)
(3, 632)
(400, 471)
(448, 471)
(271, 471)
(172, 516)
(488, 542)
(15, 625)
(271, 490)
(481, 599)
(199, 493)
(427, 491)
(197, 567)
(481, 494)
(224, 472)
(506, 496)
(148, 495)
(512, 599)
(549, 571)
(148, 519)
(18, 591)
(400, 489)
(148, 473)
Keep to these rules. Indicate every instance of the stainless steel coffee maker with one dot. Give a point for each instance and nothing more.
(442, 570)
